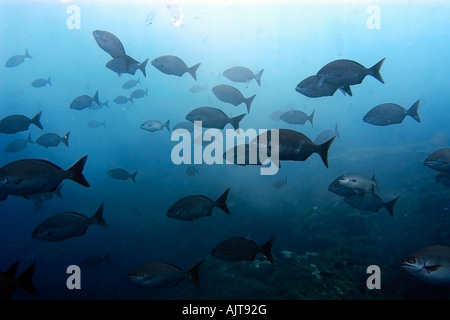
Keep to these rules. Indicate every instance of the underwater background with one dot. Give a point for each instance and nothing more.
(322, 246)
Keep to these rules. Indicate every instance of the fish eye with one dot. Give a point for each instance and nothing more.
(410, 260)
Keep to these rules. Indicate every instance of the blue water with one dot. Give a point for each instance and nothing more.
(313, 228)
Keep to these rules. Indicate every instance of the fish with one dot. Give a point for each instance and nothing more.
(25, 177)
(39, 83)
(139, 93)
(430, 264)
(109, 43)
(193, 207)
(17, 123)
(297, 117)
(95, 261)
(131, 83)
(155, 125)
(187, 125)
(163, 274)
(312, 87)
(237, 249)
(353, 183)
(371, 202)
(18, 144)
(84, 101)
(230, 94)
(127, 65)
(327, 135)
(122, 174)
(343, 72)
(438, 160)
(65, 225)
(96, 124)
(50, 139)
(242, 74)
(197, 88)
(97, 107)
(9, 283)
(443, 178)
(213, 118)
(39, 198)
(15, 60)
(275, 116)
(390, 113)
(123, 99)
(192, 171)
(280, 183)
(173, 65)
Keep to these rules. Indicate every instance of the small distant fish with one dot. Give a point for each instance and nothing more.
(162, 274)
(65, 225)
(192, 171)
(232, 95)
(123, 100)
(173, 65)
(242, 74)
(14, 61)
(94, 261)
(189, 126)
(131, 83)
(193, 207)
(108, 42)
(18, 144)
(213, 118)
(242, 249)
(26, 177)
(312, 87)
(275, 116)
(438, 160)
(443, 178)
(139, 93)
(371, 202)
(353, 183)
(9, 283)
(84, 101)
(96, 124)
(122, 174)
(17, 123)
(196, 88)
(326, 135)
(280, 183)
(155, 125)
(48, 140)
(431, 264)
(297, 117)
(390, 113)
(38, 83)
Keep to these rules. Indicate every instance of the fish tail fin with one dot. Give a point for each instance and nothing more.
(11, 272)
(193, 71)
(65, 139)
(27, 55)
(346, 90)
(29, 140)
(375, 70)
(97, 218)
(193, 274)
(323, 150)
(266, 249)
(248, 102)
(390, 206)
(311, 117)
(336, 131)
(166, 125)
(24, 281)
(133, 176)
(413, 111)
(106, 103)
(36, 120)
(142, 67)
(258, 77)
(76, 172)
(95, 98)
(221, 202)
(235, 121)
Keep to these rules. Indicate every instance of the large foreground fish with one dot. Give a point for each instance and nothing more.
(213, 118)
(430, 264)
(390, 113)
(353, 183)
(9, 283)
(30, 176)
(438, 160)
(109, 43)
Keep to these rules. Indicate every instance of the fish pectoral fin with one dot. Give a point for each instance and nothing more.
(433, 268)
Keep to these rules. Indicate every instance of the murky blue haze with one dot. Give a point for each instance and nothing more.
(322, 245)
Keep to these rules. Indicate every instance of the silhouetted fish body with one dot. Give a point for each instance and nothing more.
(173, 65)
(242, 249)
(109, 43)
(242, 74)
(232, 95)
(438, 160)
(390, 113)
(84, 101)
(17, 123)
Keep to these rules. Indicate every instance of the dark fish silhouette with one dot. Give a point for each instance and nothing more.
(14, 61)
(187, 125)
(297, 117)
(38, 83)
(230, 94)
(155, 125)
(65, 225)
(122, 174)
(162, 274)
(109, 43)
(242, 74)
(123, 99)
(17, 123)
(25, 177)
(312, 87)
(131, 83)
(126, 65)
(327, 135)
(173, 65)
(213, 118)
(371, 202)
(9, 283)
(241, 249)
(50, 139)
(193, 207)
(438, 160)
(94, 261)
(353, 183)
(84, 101)
(390, 113)
(139, 93)
(18, 144)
